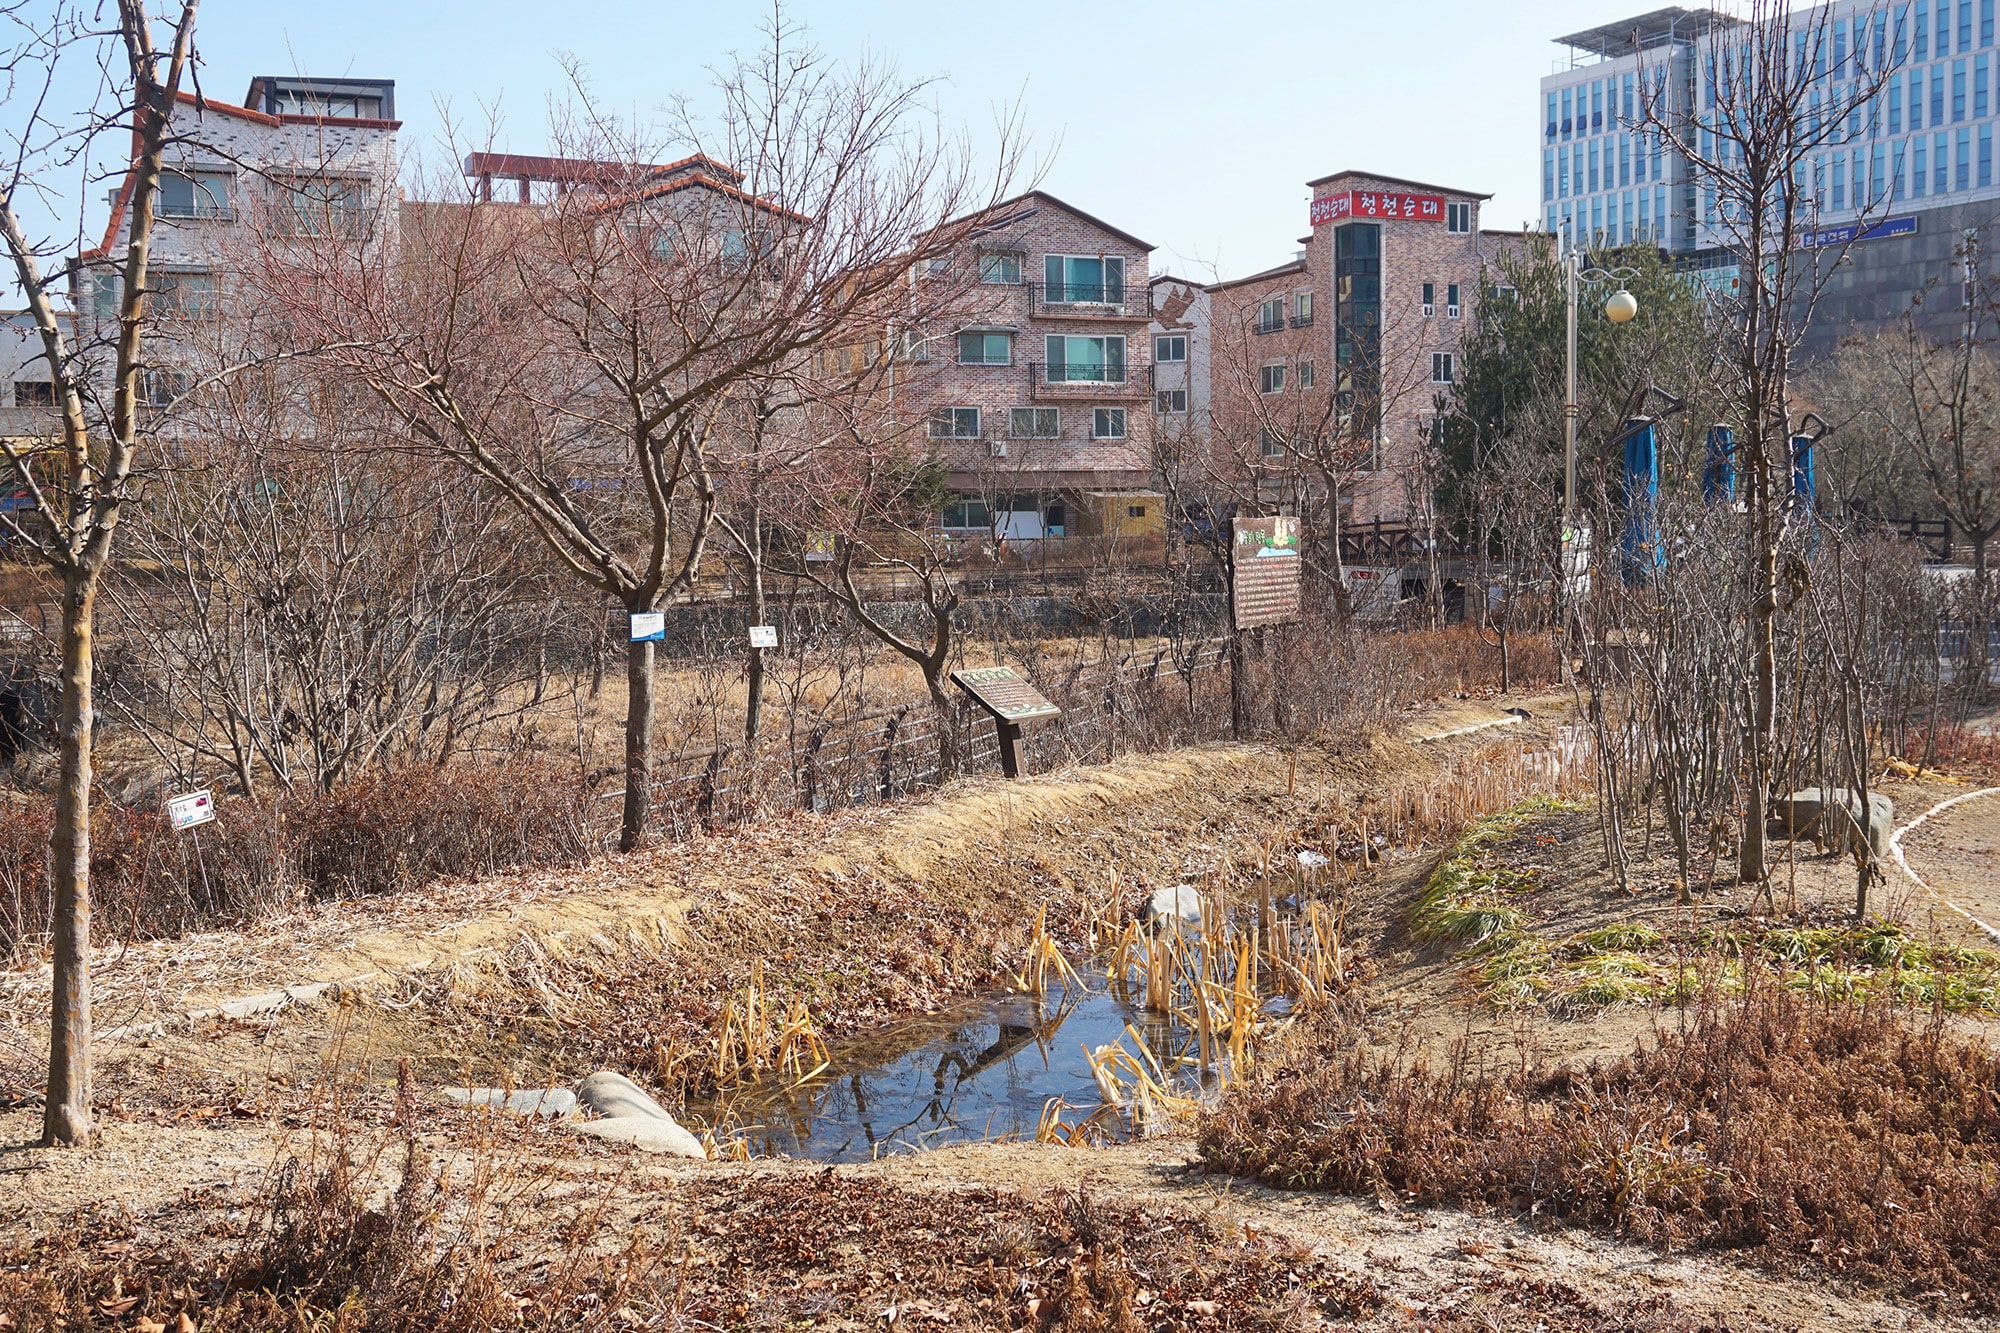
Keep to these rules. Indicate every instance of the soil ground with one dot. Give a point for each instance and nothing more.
(531, 978)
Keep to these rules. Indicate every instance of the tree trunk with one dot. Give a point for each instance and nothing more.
(753, 708)
(66, 1110)
(948, 756)
(638, 744)
(1764, 707)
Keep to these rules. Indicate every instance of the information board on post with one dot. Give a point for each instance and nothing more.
(649, 626)
(1265, 589)
(191, 810)
(763, 636)
(1002, 692)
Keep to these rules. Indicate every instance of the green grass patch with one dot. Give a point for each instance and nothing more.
(1480, 897)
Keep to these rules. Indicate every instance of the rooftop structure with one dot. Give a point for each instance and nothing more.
(1646, 32)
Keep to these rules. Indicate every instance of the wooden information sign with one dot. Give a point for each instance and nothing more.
(1267, 562)
(1011, 701)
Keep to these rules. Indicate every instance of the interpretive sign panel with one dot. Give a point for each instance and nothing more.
(1266, 588)
(1002, 692)
(649, 626)
(197, 807)
(763, 636)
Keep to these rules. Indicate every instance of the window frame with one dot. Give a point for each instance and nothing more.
(1121, 364)
(1100, 415)
(988, 258)
(1303, 376)
(1166, 399)
(985, 336)
(1267, 321)
(1447, 362)
(1427, 298)
(1271, 378)
(1451, 305)
(1159, 338)
(1454, 214)
(1302, 308)
(1014, 417)
(1104, 285)
(202, 183)
(953, 416)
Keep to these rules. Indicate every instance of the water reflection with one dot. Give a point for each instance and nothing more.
(979, 1072)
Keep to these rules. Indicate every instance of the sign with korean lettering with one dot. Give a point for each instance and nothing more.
(197, 807)
(1002, 692)
(1378, 204)
(1265, 590)
(1854, 231)
(649, 626)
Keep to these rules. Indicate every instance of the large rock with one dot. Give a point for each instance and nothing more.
(630, 1116)
(1834, 816)
(1181, 902)
(552, 1103)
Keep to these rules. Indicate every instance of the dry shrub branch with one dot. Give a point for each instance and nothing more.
(1795, 1130)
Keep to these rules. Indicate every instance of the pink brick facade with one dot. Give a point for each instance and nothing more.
(1101, 418)
(1445, 251)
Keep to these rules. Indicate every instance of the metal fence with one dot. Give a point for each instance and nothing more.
(1142, 700)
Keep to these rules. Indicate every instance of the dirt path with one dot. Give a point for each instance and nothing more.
(1954, 852)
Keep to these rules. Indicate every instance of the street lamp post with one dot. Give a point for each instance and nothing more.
(1619, 308)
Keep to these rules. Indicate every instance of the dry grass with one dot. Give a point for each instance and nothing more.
(1797, 1130)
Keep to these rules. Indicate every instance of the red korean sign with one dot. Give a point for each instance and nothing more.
(1377, 204)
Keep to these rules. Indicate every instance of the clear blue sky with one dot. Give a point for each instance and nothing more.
(1193, 125)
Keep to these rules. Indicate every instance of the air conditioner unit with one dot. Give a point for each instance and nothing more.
(997, 448)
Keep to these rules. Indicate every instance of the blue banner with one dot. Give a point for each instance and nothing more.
(1854, 231)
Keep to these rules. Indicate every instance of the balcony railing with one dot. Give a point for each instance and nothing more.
(1113, 299)
(1074, 380)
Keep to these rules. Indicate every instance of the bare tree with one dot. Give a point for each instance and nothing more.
(1767, 104)
(79, 498)
(580, 357)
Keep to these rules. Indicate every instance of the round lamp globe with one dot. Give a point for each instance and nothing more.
(1621, 307)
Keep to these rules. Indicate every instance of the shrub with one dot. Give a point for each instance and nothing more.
(379, 834)
(1800, 1130)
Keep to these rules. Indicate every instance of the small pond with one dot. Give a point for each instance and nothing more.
(978, 1072)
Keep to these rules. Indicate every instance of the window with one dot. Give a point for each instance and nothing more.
(1173, 402)
(1458, 219)
(103, 297)
(1305, 374)
(986, 349)
(967, 513)
(1107, 423)
(194, 194)
(1441, 368)
(1506, 293)
(1135, 511)
(319, 206)
(1170, 347)
(1001, 269)
(1035, 423)
(1430, 299)
(1086, 360)
(1271, 378)
(347, 106)
(161, 387)
(1302, 308)
(187, 295)
(940, 265)
(955, 423)
(1451, 301)
(1271, 315)
(1270, 444)
(34, 393)
(1084, 279)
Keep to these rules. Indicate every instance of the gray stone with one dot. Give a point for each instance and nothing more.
(650, 1133)
(1181, 902)
(1833, 816)
(551, 1103)
(630, 1116)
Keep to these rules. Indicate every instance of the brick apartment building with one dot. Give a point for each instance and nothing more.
(1338, 358)
(1040, 399)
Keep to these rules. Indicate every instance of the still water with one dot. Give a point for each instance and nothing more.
(978, 1072)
